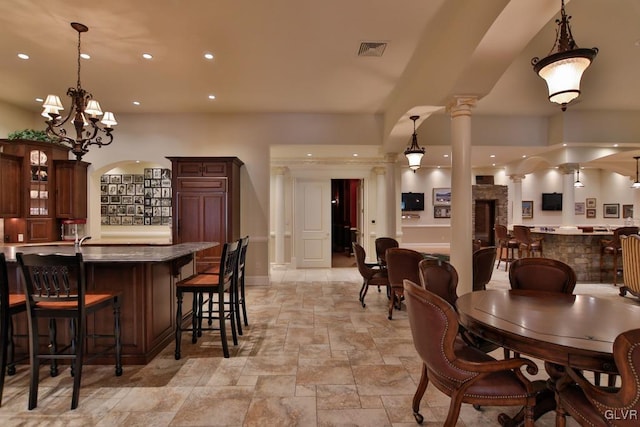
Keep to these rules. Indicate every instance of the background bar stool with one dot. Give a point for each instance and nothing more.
(10, 304)
(613, 248)
(216, 286)
(506, 246)
(55, 287)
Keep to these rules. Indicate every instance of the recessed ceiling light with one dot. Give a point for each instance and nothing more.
(615, 145)
(492, 155)
(208, 56)
(309, 154)
(438, 166)
(136, 103)
(137, 161)
(493, 164)
(524, 156)
(355, 154)
(147, 56)
(564, 145)
(39, 100)
(446, 155)
(212, 97)
(85, 56)
(23, 56)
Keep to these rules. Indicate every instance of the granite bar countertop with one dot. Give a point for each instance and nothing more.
(113, 253)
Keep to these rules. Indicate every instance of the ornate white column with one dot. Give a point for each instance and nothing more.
(461, 204)
(392, 207)
(568, 195)
(516, 200)
(381, 202)
(279, 213)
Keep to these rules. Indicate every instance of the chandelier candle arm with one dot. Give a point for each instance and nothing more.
(84, 114)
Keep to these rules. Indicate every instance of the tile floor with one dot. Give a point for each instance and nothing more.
(312, 356)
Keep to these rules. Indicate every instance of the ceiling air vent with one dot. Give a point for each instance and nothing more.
(371, 48)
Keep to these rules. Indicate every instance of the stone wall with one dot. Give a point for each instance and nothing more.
(498, 193)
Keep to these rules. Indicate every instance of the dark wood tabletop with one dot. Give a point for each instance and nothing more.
(569, 330)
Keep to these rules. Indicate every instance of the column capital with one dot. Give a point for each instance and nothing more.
(390, 157)
(379, 170)
(461, 105)
(568, 168)
(279, 170)
(517, 178)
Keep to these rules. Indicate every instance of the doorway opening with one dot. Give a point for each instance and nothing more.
(346, 209)
(485, 221)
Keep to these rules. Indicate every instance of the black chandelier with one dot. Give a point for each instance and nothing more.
(85, 112)
(562, 69)
(414, 152)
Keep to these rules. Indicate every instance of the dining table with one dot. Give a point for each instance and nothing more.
(563, 330)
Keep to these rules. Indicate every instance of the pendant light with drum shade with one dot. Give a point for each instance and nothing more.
(414, 152)
(562, 69)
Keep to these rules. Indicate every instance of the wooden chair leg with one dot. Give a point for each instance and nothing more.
(78, 336)
(117, 336)
(223, 331)
(179, 297)
(417, 397)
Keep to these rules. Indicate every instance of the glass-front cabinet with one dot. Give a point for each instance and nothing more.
(39, 205)
(40, 188)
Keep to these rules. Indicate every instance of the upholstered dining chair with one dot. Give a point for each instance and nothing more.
(382, 244)
(483, 260)
(401, 264)
(526, 243)
(371, 274)
(464, 373)
(542, 274)
(217, 287)
(56, 288)
(10, 304)
(441, 278)
(595, 406)
(613, 248)
(506, 245)
(630, 265)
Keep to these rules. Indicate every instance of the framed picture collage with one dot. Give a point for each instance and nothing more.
(136, 199)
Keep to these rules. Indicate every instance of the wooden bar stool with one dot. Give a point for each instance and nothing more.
(506, 246)
(56, 288)
(10, 304)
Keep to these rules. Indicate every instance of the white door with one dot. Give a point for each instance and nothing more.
(313, 223)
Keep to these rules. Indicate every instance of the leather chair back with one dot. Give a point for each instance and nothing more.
(522, 234)
(483, 262)
(403, 264)
(365, 271)
(542, 274)
(502, 234)
(382, 244)
(631, 262)
(439, 277)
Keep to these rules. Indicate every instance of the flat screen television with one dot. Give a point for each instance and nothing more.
(412, 202)
(551, 201)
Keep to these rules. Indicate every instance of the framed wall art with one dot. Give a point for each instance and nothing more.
(441, 197)
(132, 199)
(611, 210)
(579, 208)
(527, 209)
(591, 213)
(627, 211)
(591, 203)
(442, 211)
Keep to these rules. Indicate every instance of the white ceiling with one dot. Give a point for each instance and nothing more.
(301, 56)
